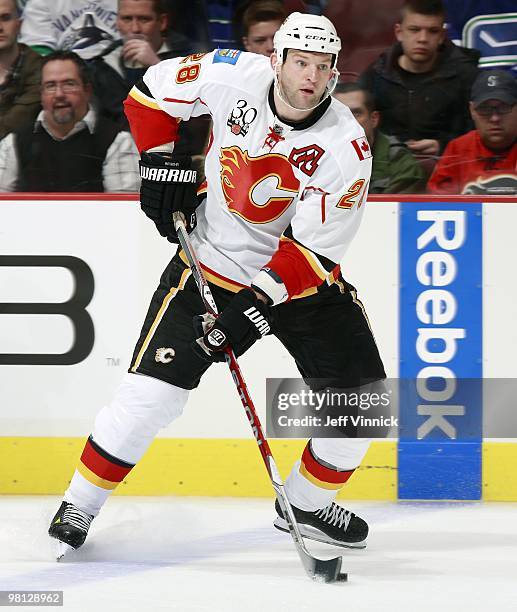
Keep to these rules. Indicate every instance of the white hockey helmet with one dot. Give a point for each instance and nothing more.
(307, 32)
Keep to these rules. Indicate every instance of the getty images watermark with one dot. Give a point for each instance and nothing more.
(418, 409)
(297, 411)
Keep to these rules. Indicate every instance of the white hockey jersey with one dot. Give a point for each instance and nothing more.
(289, 197)
(84, 26)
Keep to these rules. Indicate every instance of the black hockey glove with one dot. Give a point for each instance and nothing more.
(169, 184)
(240, 325)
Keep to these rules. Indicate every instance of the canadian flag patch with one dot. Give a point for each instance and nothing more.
(362, 148)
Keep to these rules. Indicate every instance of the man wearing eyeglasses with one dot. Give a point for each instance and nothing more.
(483, 161)
(69, 148)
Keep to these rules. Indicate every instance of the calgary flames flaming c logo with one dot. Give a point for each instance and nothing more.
(259, 189)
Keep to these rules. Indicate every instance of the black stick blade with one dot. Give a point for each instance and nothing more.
(324, 570)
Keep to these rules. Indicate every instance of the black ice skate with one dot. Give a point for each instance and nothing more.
(70, 528)
(331, 525)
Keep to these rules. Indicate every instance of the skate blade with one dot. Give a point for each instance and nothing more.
(61, 549)
(312, 533)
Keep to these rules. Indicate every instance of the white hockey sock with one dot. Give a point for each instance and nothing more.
(305, 495)
(85, 495)
(122, 433)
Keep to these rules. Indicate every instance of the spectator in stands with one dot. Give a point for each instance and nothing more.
(20, 69)
(394, 169)
(260, 21)
(484, 161)
(142, 25)
(422, 83)
(82, 26)
(69, 148)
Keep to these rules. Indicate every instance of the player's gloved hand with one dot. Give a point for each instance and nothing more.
(244, 321)
(169, 184)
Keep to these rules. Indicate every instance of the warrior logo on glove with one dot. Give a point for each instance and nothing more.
(168, 186)
(258, 320)
(168, 175)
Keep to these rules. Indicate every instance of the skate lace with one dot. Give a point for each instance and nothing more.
(77, 518)
(335, 515)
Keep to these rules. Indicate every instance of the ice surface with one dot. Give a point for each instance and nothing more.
(223, 555)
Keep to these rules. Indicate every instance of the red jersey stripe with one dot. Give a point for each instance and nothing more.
(150, 127)
(295, 269)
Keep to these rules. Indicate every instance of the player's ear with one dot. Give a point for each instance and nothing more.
(274, 60)
(245, 43)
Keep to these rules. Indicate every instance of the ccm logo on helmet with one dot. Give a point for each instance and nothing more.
(258, 320)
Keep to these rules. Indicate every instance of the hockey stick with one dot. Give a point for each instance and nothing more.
(318, 569)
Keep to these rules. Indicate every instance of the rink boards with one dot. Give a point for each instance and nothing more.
(75, 278)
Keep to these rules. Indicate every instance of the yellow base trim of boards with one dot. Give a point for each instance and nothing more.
(222, 468)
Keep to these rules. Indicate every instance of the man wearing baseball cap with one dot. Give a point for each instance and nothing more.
(484, 160)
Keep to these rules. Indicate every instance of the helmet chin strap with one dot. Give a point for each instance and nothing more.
(331, 85)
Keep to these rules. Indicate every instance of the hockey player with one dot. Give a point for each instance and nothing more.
(287, 178)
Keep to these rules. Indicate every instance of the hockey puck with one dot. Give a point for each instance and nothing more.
(342, 578)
